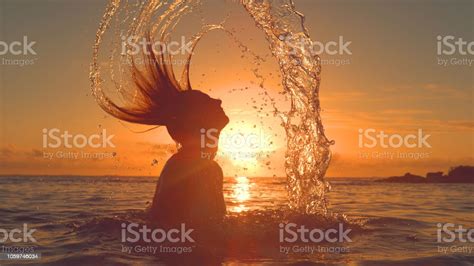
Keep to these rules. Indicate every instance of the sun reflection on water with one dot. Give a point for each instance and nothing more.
(241, 193)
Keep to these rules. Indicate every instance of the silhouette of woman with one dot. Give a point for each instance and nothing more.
(189, 188)
(190, 185)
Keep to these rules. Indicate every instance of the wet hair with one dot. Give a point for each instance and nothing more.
(159, 99)
(156, 90)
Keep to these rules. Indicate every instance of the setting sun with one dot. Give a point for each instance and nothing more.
(246, 145)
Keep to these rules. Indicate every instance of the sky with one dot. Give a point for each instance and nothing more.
(388, 78)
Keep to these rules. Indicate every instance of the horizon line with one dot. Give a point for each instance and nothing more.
(127, 176)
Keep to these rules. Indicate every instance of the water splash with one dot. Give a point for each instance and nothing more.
(308, 154)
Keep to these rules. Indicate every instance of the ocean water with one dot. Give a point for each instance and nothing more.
(78, 222)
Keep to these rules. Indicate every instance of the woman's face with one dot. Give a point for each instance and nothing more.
(203, 111)
(199, 121)
(220, 117)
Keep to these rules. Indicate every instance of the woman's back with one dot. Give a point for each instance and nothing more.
(189, 190)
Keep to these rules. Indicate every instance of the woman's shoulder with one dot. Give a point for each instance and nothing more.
(216, 165)
(176, 162)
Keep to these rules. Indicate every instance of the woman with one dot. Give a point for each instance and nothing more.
(189, 189)
(190, 184)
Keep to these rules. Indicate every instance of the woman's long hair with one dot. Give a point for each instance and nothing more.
(158, 99)
(156, 90)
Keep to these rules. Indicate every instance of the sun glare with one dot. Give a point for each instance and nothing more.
(245, 144)
(241, 193)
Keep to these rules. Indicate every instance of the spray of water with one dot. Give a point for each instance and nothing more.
(308, 154)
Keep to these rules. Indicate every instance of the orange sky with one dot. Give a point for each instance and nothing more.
(391, 82)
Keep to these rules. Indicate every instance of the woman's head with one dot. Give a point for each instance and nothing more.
(196, 117)
(159, 99)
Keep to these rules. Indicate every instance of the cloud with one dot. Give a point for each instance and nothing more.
(6, 152)
(393, 119)
(437, 90)
(351, 166)
(403, 112)
(418, 93)
(36, 153)
(156, 149)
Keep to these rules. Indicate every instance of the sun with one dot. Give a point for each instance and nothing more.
(245, 145)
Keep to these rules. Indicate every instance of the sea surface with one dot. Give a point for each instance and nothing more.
(78, 221)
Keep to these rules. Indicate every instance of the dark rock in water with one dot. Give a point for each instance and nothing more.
(407, 178)
(434, 176)
(461, 174)
(458, 174)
